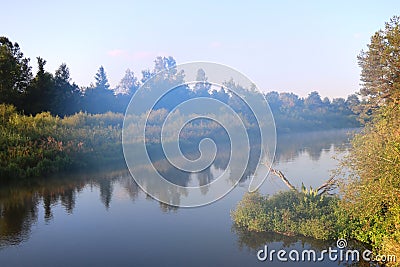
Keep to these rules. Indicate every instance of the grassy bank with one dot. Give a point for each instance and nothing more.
(39, 145)
(42, 144)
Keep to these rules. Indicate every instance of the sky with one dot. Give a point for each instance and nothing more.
(285, 46)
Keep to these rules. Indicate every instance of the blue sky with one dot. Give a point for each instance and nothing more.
(296, 46)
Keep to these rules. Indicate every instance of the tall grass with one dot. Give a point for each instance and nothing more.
(38, 145)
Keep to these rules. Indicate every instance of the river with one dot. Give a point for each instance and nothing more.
(102, 218)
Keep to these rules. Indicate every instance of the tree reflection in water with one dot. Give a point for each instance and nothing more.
(20, 202)
(290, 146)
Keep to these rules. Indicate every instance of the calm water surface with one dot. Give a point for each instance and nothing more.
(104, 219)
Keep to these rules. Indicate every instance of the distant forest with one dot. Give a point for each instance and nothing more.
(57, 94)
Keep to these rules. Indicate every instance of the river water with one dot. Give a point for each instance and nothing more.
(102, 218)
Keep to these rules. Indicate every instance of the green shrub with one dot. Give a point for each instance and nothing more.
(291, 213)
(371, 193)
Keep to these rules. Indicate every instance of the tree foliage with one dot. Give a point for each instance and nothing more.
(57, 94)
(15, 73)
(41, 90)
(372, 192)
(293, 113)
(67, 98)
(380, 66)
(98, 98)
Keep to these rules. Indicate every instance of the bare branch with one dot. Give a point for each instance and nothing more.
(326, 187)
(283, 178)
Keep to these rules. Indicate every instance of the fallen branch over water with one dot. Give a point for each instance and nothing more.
(283, 178)
(326, 187)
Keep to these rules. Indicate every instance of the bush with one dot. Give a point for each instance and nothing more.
(291, 213)
(372, 191)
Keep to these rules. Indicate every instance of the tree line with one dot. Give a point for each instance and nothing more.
(57, 94)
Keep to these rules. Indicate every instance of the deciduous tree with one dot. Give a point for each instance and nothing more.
(15, 72)
(380, 66)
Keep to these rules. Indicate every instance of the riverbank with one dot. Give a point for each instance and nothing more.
(33, 146)
(368, 209)
(43, 144)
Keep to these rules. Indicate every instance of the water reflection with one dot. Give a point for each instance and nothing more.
(21, 203)
(16, 220)
(290, 146)
(254, 241)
